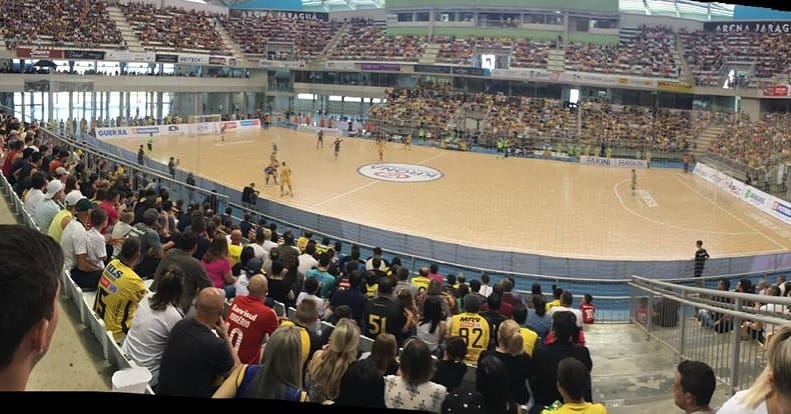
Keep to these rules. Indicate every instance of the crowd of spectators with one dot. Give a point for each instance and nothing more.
(648, 51)
(365, 40)
(708, 52)
(174, 28)
(433, 105)
(78, 23)
(756, 144)
(637, 127)
(308, 37)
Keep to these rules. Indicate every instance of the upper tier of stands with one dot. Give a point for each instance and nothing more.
(365, 40)
(647, 51)
(308, 37)
(74, 23)
(173, 28)
(524, 52)
(707, 53)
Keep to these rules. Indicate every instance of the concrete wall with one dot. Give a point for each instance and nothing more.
(751, 107)
(635, 20)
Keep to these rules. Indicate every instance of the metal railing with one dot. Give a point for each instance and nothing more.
(683, 319)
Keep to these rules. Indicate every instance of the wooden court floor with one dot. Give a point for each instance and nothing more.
(515, 204)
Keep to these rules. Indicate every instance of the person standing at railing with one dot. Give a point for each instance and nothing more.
(771, 391)
(701, 255)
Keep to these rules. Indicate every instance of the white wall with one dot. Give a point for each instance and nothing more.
(376, 14)
(635, 20)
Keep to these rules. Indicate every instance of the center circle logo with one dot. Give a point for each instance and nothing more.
(400, 173)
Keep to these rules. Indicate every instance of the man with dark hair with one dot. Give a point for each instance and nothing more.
(402, 274)
(151, 250)
(352, 297)
(574, 381)
(181, 256)
(327, 283)
(701, 255)
(77, 253)
(693, 387)
(383, 314)
(31, 264)
(566, 300)
(485, 289)
(472, 327)
(493, 316)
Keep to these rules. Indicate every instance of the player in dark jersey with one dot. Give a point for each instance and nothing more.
(320, 139)
(222, 133)
(337, 146)
(383, 314)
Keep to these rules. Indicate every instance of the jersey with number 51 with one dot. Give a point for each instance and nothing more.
(475, 330)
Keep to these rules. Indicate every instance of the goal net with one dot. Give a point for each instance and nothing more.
(204, 124)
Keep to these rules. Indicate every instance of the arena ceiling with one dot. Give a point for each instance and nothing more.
(672, 8)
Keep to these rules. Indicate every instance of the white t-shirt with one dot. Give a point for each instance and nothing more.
(259, 252)
(306, 262)
(145, 341)
(96, 247)
(772, 309)
(73, 242)
(32, 198)
(577, 313)
(427, 396)
(268, 246)
(485, 290)
(736, 405)
(120, 229)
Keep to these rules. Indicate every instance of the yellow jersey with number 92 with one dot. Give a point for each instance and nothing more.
(475, 330)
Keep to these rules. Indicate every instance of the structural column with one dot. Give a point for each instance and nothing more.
(50, 104)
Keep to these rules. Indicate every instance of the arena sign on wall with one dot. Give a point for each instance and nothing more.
(400, 173)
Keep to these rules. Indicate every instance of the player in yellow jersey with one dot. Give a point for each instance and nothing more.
(472, 327)
(120, 290)
(380, 144)
(285, 179)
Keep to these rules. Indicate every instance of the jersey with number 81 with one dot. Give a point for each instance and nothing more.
(475, 330)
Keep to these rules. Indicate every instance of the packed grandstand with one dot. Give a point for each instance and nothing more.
(523, 345)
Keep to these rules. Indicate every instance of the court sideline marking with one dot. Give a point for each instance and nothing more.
(728, 212)
(672, 226)
(364, 186)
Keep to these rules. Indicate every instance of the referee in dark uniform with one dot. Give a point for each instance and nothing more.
(701, 255)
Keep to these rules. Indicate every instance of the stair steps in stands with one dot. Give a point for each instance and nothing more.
(133, 44)
(556, 60)
(325, 55)
(430, 55)
(703, 142)
(230, 44)
(678, 56)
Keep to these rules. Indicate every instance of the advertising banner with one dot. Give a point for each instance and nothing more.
(613, 162)
(193, 59)
(671, 86)
(432, 69)
(279, 14)
(389, 67)
(767, 203)
(26, 52)
(84, 54)
(471, 71)
(779, 90)
(124, 56)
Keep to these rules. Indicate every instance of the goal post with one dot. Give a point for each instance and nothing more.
(204, 124)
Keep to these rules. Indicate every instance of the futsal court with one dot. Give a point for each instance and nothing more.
(524, 205)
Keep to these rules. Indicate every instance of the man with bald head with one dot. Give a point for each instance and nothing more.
(235, 246)
(198, 355)
(250, 321)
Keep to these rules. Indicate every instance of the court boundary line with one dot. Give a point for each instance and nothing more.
(671, 226)
(729, 212)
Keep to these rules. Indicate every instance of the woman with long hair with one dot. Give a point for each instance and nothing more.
(279, 377)
(432, 327)
(547, 358)
(327, 367)
(491, 381)
(537, 319)
(518, 365)
(154, 319)
(217, 263)
(771, 391)
(413, 389)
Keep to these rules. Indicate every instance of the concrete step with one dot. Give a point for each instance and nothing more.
(230, 44)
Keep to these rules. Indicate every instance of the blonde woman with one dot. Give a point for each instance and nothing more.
(518, 364)
(328, 365)
(771, 391)
(279, 377)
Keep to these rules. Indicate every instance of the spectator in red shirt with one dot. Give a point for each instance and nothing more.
(250, 321)
(108, 204)
(434, 274)
(588, 309)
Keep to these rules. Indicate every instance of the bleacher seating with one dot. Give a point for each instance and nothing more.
(308, 37)
(175, 29)
(365, 40)
(709, 53)
(756, 144)
(74, 23)
(647, 51)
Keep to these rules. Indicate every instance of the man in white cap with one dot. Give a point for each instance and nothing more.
(62, 219)
(49, 206)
